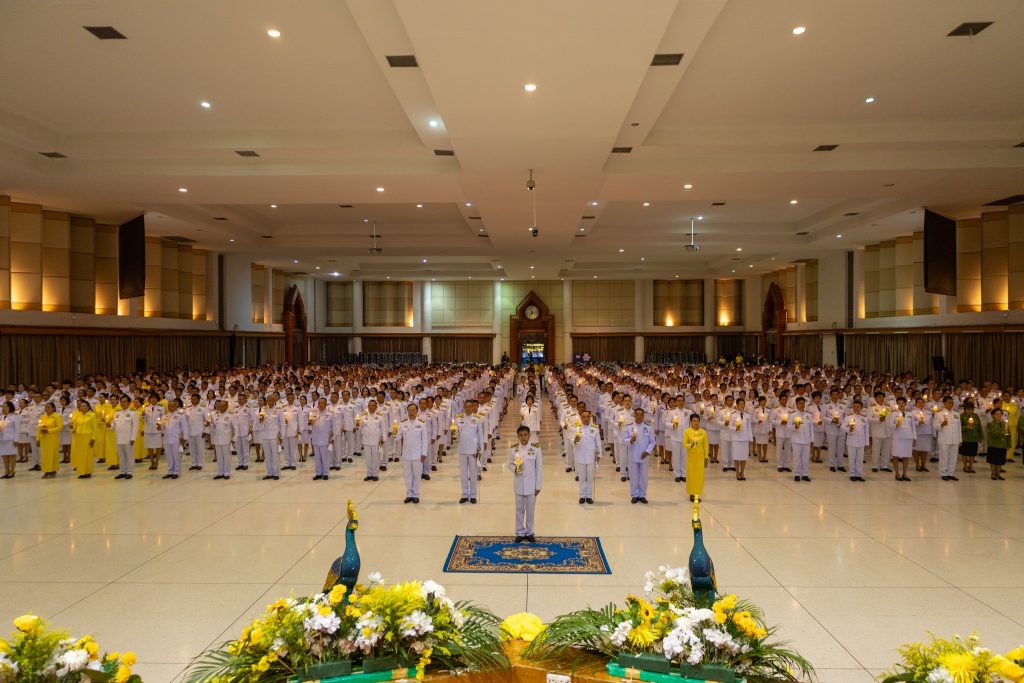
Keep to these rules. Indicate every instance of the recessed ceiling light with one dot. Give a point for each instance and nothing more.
(423, 260)
(839, 236)
(470, 277)
(751, 265)
(295, 260)
(231, 240)
(581, 228)
(734, 270)
(273, 206)
(533, 277)
(643, 258)
(793, 201)
(318, 267)
(687, 186)
(274, 33)
(647, 203)
(434, 123)
(419, 206)
(869, 100)
(530, 87)
(739, 248)
(366, 220)
(593, 203)
(182, 189)
(595, 277)
(531, 267)
(502, 279)
(380, 189)
(205, 105)
(700, 218)
(621, 250)
(387, 277)
(677, 276)
(799, 30)
(433, 279)
(469, 203)
(335, 273)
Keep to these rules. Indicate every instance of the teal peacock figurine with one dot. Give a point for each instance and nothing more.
(702, 569)
(345, 569)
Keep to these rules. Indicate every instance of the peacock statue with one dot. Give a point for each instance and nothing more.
(345, 569)
(702, 569)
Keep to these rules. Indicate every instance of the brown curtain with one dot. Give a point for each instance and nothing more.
(392, 344)
(730, 345)
(255, 350)
(462, 349)
(986, 357)
(892, 352)
(805, 348)
(605, 349)
(272, 350)
(328, 348)
(680, 344)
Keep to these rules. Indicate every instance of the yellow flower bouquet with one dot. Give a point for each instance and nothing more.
(668, 629)
(34, 653)
(955, 660)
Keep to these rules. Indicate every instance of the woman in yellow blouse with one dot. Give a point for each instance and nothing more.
(695, 441)
(140, 448)
(84, 426)
(48, 436)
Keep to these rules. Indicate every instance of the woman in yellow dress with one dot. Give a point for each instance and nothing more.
(140, 449)
(84, 425)
(695, 441)
(48, 436)
(106, 441)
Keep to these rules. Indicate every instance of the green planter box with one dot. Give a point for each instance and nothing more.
(645, 662)
(377, 664)
(701, 674)
(708, 672)
(325, 670)
(362, 677)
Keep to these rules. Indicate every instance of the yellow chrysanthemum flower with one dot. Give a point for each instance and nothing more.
(93, 649)
(719, 616)
(324, 610)
(1007, 669)
(353, 611)
(523, 625)
(112, 656)
(642, 636)
(128, 659)
(277, 605)
(726, 602)
(337, 594)
(26, 622)
(122, 675)
(1016, 654)
(961, 666)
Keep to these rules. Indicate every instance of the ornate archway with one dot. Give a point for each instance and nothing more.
(773, 324)
(532, 328)
(293, 319)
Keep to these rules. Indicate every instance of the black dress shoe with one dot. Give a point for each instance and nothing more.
(568, 469)
(113, 467)
(324, 478)
(582, 501)
(472, 501)
(120, 476)
(238, 468)
(841, 469)
(416, 501)
(787, 469)
(590, 501)
(782, 469)
(317, 478)
(831, 469)
(874, 469)
(383, 468)
(425, 477)
(267, 477)
(336, 468)
(861, 479)
(219, 476)
(433, 468)
(166, 476)
(853, 478)
(634, 501)
(407, 500)
(796, 478)
(952, 478)
(127, 477)
(886, 469)
(624, 479)
(245, 468)
(805, 478)
(367, 478)
(36, 468)
(520, 539)
(643, 500)
(463, 500)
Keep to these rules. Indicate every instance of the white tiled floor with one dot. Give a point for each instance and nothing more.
(847, 571)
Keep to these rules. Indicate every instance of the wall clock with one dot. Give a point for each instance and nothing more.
(532, 312)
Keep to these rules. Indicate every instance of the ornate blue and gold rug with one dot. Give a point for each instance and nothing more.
(548, 555)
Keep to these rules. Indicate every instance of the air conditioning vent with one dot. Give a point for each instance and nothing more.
(105, 32)
(398, 61)
(667, 59)
(179, 239)
(54, 155)
(621, 150)
(444, 152)
(1007, 201)
(969, 28)
(825, 148)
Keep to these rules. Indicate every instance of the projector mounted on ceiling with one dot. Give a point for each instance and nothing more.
(374, 249)
(692, 246)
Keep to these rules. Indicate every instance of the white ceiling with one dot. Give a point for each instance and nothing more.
(738, 119)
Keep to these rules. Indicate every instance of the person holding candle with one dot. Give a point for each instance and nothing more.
(924, 437)
(625, 422)
(709, 420)
(83, 439)
(48, 434)
(197, 417)
(586, 452)
(125, 430)
(971, 434)
(174, 427)
(903, 431)
(801, 434)
(222, 434)
(9, 424)
(858, 434)
(761, 428)
(695, 442)
(881, 439)
(948, 435)
(998, 437)
(833, 414)
(321, 423)
(741, 435)
(526, 463)
(271, 422)
(639, 446)
(291, 414)
(676, 420)
(153, 440)
(780, 422)
(468, 428)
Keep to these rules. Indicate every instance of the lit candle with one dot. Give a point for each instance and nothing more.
(785, 417)
(853, 423)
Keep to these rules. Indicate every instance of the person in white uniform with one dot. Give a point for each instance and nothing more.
(741, 435)
(322, 422)
(126, 430)
(858, 434)
(526, 463)
(530, 415)
(414, 437)
(946, 425)
(469, 428)
(801, 435)
(175, 432)
(586, 452)
(222, 434)
(372, 426)
(903, 431)
(639, 444)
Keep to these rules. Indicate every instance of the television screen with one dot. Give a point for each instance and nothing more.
(939, 254)
(131, 258)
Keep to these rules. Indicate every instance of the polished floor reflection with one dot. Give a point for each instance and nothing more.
(847, 571)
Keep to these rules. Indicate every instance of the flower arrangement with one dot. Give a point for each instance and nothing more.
(672, 626)
(956, 660)
(36, 654)
(380, 627)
